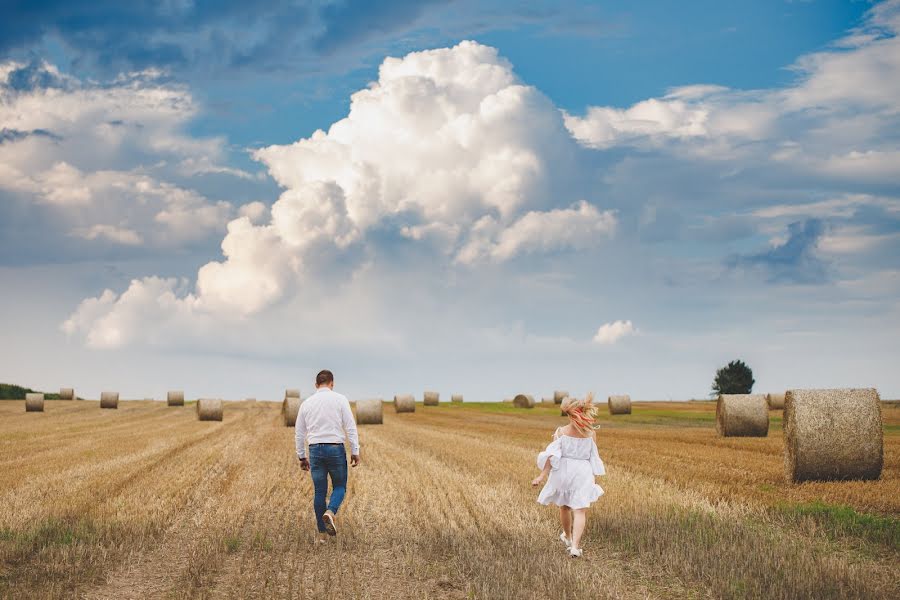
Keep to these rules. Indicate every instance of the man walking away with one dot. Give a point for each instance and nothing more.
(324, 419)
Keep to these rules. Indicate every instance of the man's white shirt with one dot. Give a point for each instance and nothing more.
(324, 418)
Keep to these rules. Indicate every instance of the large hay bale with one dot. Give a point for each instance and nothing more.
(742, 415)
(431, 399)
(209, 409)
(523, 401)
(775, 401)
(66, 394)
(619, 405)
(109, 400)
(559, 396)
(405, 403)
(290, 408)
(175, 398)
(833, 435)
(34, 402)
(456, 398)
(291, 393)
(369, 412)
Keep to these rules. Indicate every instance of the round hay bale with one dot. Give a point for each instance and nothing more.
(109, 400)
(523, 401)
(619, 405)
(833, 435)
(775, 401)
(209, 409)
(456, 398)
(559, 396)
(742, 415)
(290, 408)
(175, 398)
(547, 401)
(34, 402)
(66, 394)
(369, 412)
(291, 393)
(405, 403)
(431, 399)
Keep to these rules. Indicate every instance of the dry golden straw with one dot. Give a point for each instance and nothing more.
(290, 408)
(175, 398)
(34, 402)
(742, 415)
(456, 398)
(369, 412)
(523, 401)
(619, 405)
(833, 435)
(209, 409)
(559, 396)
(66, 394)
(431, 399)
(404, 403)
(775, 401)
(109, 400)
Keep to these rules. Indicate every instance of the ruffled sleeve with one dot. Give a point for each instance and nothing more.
(596, 463)
(552, 452)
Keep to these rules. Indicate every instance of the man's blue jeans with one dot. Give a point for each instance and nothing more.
(327, 460)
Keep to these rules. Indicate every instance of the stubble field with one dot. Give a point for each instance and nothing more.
(147, 502)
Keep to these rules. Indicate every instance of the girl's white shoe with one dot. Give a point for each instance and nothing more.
(564, 539)
(575, 552)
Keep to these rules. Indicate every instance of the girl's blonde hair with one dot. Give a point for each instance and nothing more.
(582, 413)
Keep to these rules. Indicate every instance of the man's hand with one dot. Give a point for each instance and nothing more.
(304, 464)
(354, 460)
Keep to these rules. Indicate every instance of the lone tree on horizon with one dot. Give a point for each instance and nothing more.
(734, 378)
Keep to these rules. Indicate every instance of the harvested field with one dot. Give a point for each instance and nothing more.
(170, 507)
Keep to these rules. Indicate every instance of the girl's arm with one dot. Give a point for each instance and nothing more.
(543, 476)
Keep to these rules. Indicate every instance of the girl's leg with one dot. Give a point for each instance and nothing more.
(565, 519)
(579, 520)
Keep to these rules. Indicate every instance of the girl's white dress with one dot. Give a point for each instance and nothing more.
(574, 462)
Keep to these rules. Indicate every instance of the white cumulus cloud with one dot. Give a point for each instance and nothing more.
(610, 333)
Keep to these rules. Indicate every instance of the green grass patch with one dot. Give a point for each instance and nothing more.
(232, 544)
(839, 520)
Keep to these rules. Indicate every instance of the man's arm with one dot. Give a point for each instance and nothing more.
(352, 434)
(300, 438)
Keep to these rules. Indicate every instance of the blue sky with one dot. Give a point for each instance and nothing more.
(502, 196)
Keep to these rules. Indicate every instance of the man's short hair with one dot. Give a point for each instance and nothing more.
(324, 377)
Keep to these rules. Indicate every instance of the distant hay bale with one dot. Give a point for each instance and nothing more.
(742, 415)
(547, 401)
(291, 393)
(619, 405)
(775, 401)
(456, 398)
(290, 408)
(507, 401)
(175, 398)
(66, 394)
(523, 401)
(559, 396)
(369, 412)
(833, 435)
(404, 403)
(34, 402)
(209, 409)
(109, 400)
(431, 399)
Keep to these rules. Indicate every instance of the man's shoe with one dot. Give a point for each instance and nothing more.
(321, 538)
(330, 527)
(564, 539)
(575, 552)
